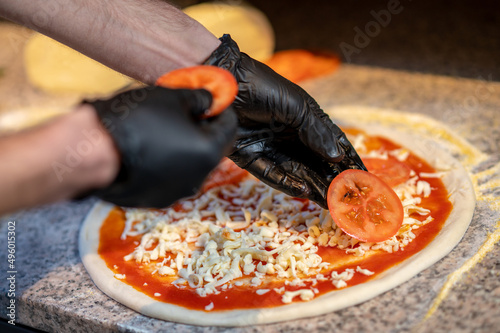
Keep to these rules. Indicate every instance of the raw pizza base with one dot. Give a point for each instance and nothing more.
(456, 180)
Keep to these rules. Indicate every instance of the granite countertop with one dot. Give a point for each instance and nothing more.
(460, 293)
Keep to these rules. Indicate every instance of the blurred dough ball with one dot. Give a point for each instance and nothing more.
(21, 118)
(248, 26)
(56, 68)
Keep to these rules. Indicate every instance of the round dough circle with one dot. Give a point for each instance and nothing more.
(462, 195)
(56, 68)
(248, 26)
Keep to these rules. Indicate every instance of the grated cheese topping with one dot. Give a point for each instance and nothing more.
(262, 291)
(244, 235)
(304, 294)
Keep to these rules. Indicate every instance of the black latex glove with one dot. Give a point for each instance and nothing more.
(283, 137)
(166, 150)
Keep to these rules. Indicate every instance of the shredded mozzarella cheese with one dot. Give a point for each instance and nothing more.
(209, 307)
(239, 235)
(262, 291)
(304, 294)
(364, 271)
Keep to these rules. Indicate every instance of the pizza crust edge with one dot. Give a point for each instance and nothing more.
(462, 195)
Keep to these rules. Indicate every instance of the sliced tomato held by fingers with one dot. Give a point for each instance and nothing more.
(218, 81)
(226, 172)
(364, 206)
(390, 170)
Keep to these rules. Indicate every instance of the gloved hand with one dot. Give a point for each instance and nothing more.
(166, 150)
(283, 137)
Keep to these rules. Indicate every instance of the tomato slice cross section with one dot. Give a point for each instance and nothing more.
(218, 81)
(390, 170)
(364, 206)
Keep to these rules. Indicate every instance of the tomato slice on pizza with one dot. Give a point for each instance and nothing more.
(390, 170)
(364, 206)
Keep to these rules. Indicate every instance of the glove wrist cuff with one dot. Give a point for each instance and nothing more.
(226, 56)
(111, 122)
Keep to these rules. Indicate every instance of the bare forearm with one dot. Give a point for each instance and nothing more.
(56, 161)
(142, 39)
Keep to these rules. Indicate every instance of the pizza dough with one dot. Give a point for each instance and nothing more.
(248, 26)
(22, 118)
(56, 68)
(455, 178)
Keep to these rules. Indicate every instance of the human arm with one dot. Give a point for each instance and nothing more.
(42, 165)
(142, 39)
(146, 39)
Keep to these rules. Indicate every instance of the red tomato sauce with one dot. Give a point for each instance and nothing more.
(112, 249)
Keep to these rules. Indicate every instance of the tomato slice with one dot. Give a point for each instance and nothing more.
(218, 81)
(298, 65)
(364, 207)
(391, 171)
(225, 173)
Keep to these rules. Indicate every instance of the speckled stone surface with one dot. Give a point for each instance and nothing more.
(428, 73)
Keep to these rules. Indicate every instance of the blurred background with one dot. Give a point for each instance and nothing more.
(457, 39)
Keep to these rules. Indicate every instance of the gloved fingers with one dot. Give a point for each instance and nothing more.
(221, 129)
(326, 139)
(270, 101)
(166, 150)
(277, 177)
(226, 55)
(277, 103)
(198, 101)
(322, 136)
(286, 175)
(351, 159)
(317, 183)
